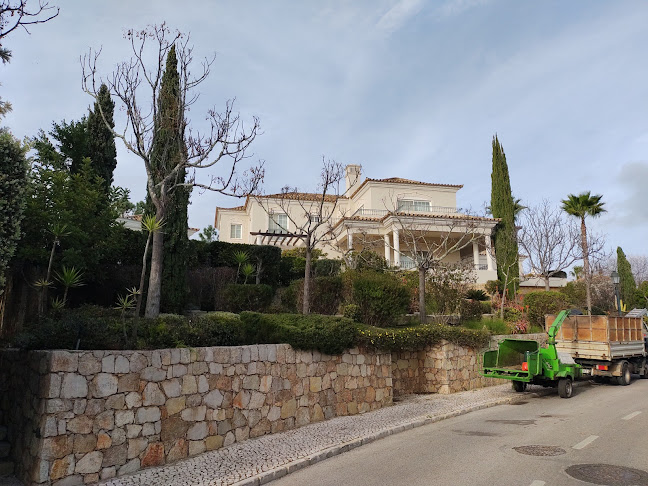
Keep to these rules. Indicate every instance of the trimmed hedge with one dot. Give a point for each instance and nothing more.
(540, 303)
(418, 337)
(381, 297)
(241, 297)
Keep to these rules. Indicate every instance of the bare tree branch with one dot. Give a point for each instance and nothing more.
(14, 14)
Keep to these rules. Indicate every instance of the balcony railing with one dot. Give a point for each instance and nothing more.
(379, 213)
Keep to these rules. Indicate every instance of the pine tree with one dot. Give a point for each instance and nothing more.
(503, 206)
(168, 146)
(627, 284)
(101, 142)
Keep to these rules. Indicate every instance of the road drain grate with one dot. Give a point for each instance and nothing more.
(608, 475)
(538, 450)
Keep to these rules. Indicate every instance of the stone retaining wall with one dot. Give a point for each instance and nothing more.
(92, 415)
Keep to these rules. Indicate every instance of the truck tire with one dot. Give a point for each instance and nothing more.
(644, 373)
(625, 377)
(519, 386)
(565, 387)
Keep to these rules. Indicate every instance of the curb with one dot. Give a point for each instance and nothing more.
(296, 465)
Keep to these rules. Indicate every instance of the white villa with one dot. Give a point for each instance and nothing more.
(380, 214)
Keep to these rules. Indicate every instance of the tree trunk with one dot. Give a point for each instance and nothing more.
(155, 277)
(140, 296)
(586, 266)
(307, 279)
(547, 287)
(421, 292)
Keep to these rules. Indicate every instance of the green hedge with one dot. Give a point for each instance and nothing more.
(418, 337)
(540, 303)
(241, 297)
(381, 297)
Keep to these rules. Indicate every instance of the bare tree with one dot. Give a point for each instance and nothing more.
(16, 13)
(550, 241)
(427, 240)
(639, 265)
(137, 85)
(310, 218)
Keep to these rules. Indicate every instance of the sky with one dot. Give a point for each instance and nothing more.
(405, 88)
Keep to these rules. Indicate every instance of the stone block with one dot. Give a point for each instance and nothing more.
(118, 436)
(80, 425)
(154, 455)
(122, 365)
(55, 405)
(104, 385)
(198, 431)
(196, 447)
(108, 364)
(75, 480)
(84, 443)
(115, 456)
(108, 473)
(189, 385)
(152, 395)
(62, 467)
(130, 467)
(203, 384)
(105, 420)
(138, 362)
(89, 365)
(133, 400)
(133, 430)
(214, 399)
(173, 428)
(90, 463)
(195, 414)
(171, 388)
(64, 361)
(116, 402)
(256, 400)
(175, 405)
(94, 407)
(56, 447)
(104, 441)
(251, 382)
(149, 414)
(288, 409)
(179, 450)
(91, 478)
(136, 447)
(153, 374)
(123, 417)
(178, 370)
(265, 384)
(214, 442)
(128, 383)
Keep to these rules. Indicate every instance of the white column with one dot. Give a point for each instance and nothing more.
(349, 239)
(258, 240)
(396, 248)
(476, 254)
(387, 250)
(489, 252)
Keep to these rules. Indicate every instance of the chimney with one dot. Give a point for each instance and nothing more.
(351, 178)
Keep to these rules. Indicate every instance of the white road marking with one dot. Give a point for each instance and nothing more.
(537, 482)
(632, 415)
(586, 442)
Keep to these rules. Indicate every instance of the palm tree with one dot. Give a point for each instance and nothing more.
(581, 206)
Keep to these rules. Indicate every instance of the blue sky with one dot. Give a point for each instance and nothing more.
(405, 88)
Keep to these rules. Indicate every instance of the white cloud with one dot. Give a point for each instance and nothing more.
(398, 15)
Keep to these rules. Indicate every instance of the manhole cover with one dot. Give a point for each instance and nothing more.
(538, 450)
(608, 475)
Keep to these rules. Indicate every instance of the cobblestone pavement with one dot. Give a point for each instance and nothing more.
(259, 461)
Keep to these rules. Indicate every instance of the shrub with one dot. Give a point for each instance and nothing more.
(352, 311)
(494, 326)
(476, 294)
(493, 287)
(418, 337)
(486, 307)
(470, 309)
(540, 303)
(326, 267)
(326, 295)
(380, 296)
(240, 297)
(330, 335)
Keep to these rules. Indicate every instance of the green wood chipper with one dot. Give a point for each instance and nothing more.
(523, 361)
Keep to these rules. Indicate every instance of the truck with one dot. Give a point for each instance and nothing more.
(605, 347)
(524, 361)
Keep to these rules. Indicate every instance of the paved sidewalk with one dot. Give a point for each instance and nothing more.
(259, 461)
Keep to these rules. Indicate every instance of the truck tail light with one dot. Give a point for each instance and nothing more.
(602, 367)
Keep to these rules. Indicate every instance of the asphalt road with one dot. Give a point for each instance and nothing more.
(600, 424)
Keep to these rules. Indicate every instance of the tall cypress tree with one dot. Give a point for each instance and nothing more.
(101, 142)
(503, 206)
(168, 148)
(627, 284)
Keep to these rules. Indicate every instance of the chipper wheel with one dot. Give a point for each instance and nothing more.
(565, 387)
(519, 386)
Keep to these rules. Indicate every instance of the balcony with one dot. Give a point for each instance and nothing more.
(379, 213)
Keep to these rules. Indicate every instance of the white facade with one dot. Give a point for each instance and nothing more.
(396, 218)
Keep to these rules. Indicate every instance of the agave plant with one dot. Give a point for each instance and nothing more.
(125, 303)
(57, 304)
(69, 277)
(240, 258)
(247, 271)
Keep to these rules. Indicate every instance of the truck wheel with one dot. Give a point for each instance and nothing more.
(565, 387)
(519, 386)
(625, 377)
(645, 371)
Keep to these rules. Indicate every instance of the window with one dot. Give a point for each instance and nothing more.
(314, 218)
(409, 205)
(236, 231)
(278, 223)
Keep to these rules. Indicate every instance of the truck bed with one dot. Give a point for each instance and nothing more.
(600, 337)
